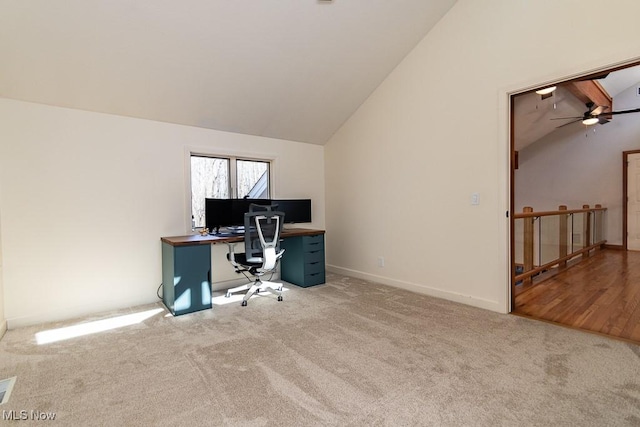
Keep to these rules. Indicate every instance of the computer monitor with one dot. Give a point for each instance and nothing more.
(228, 212)
(218, 213)
(295, 210)
(242, 206)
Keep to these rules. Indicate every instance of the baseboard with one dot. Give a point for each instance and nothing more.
(614, 247)
(421, 289)
(3, 328)
(76, 312)
(68, 313)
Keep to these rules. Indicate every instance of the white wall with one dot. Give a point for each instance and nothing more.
(3, 321)
(574, 166)
(87, 196)
(401, 171)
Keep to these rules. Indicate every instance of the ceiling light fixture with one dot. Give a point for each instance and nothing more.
(590, 121)
(546, 90)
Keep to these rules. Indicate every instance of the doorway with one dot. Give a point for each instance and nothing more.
(631, 189)
(583, 316)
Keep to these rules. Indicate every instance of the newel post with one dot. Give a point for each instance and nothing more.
(563, 238)
(528, 243)
(598, 225)
(586, 231)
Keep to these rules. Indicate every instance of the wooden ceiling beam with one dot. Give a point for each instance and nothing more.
(590, 91)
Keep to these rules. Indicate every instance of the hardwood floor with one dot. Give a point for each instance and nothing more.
(601, 294)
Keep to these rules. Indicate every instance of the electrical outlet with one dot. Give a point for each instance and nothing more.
(380, 261)
(475, 199)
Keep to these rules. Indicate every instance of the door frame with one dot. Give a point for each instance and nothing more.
(513, 163)
(625, 197)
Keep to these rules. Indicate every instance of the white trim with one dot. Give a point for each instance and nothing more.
(3, 328)
(249, 155)
(189, 151)
(187, 189)
(420, 289)
(504, 181)
(563, 76)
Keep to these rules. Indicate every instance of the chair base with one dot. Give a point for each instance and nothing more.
(255, 288)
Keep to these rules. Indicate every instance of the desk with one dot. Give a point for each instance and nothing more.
(186, 265)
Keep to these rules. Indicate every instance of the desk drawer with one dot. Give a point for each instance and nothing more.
(314, 267)
(312, 279)
(315, 256)
(313, 243)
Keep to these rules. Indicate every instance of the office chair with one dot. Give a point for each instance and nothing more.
(262, 227)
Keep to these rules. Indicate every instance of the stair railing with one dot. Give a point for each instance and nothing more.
(550, 239)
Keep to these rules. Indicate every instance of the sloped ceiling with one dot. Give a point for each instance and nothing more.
(289, 69)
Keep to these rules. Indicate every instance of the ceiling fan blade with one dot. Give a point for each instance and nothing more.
(603, 120)
(573, 121)
(635, 110)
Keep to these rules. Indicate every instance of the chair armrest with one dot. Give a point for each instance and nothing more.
(231, 255)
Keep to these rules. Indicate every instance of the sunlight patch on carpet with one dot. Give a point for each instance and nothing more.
(88, 328)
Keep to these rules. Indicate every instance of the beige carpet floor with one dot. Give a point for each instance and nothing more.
(347, 353)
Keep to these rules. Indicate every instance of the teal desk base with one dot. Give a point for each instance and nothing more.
(186, 284)
(186, 266)
(303, 260)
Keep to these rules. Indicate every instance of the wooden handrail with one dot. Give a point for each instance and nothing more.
(558, 212)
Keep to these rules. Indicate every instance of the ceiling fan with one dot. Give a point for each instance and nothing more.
(595, 114)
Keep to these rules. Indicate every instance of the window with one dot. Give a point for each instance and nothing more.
(225, 178)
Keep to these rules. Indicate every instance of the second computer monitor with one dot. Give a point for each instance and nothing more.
(241, 206)
(230, 212)
(295, 210)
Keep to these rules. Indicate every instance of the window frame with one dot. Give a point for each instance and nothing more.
(233, 169)
(232, 157)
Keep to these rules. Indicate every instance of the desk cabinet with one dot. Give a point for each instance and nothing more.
(303, 261)
(186, 285)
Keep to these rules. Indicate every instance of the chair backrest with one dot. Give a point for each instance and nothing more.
(262, 229)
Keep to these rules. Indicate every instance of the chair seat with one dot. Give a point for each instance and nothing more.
(242, 260)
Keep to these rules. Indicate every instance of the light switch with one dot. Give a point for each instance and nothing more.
(475, 199)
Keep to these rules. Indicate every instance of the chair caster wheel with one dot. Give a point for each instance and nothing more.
(227, 295)
(257, 291)
(279, 298)
(244, 303)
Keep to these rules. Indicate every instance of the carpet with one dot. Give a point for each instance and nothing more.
(346, 353)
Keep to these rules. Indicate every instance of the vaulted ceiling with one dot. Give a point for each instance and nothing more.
(537, 116)
(289, 69)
